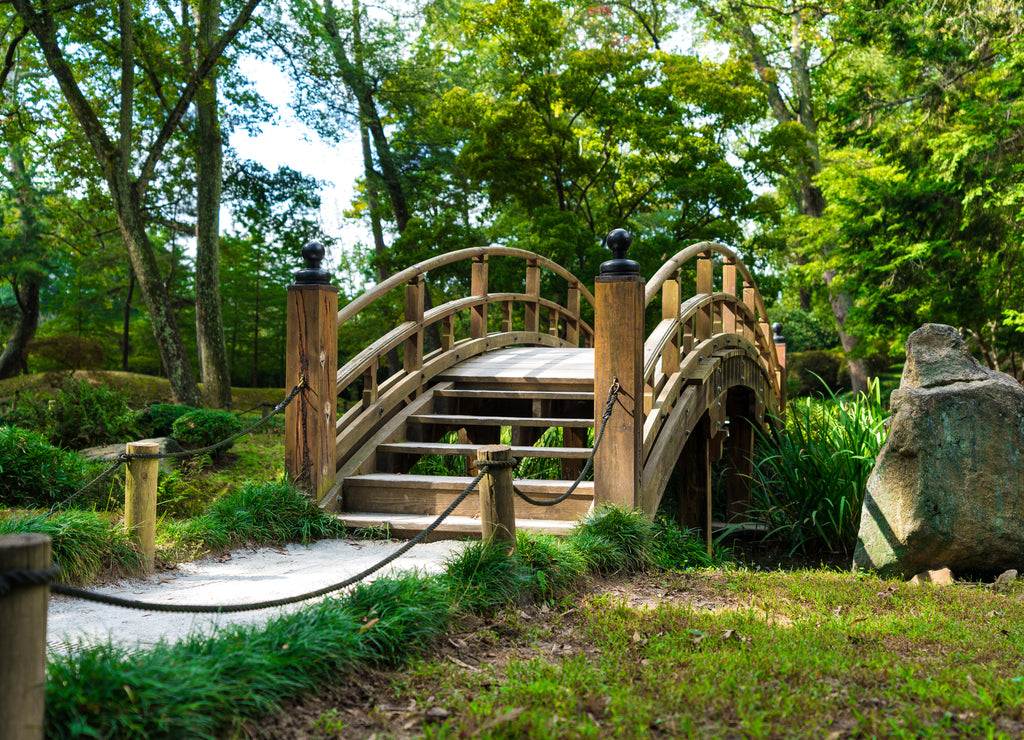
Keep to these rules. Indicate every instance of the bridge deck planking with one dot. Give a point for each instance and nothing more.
(525, 364)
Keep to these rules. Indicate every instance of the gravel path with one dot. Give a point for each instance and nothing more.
(245, 576)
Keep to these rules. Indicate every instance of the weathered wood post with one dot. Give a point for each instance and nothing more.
(23, 639)
(497, 505)
(312, 358)
(140, 498)
(780, 350)
(619, 355)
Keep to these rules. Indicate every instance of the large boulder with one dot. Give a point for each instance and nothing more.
(947, 489)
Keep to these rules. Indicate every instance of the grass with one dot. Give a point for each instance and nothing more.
(809, 654)
(205, 686)
(83, 543)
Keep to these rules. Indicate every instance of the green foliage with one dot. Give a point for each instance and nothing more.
(556, 566)
(810, 475)
(67, 352)
(158, 419)
(805, 330)
(484, 576)
(675, 548)
(80, 415)
(401, 616)
(82, 543)
(205, 427)
(814, 373)
(614, 539)
(35, 474)
(262, 513)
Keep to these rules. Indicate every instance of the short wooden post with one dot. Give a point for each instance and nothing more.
(415, 290)
(572, 318)
(729, 287)
(23, 639)
(619, 355)
(670, 305)
(497, 506)
(531, 310)
(312, 358)
(140, 498)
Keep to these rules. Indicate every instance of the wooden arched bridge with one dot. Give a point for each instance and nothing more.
(691, 390)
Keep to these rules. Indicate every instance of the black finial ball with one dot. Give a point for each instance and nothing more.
(777, 333)
(313, 253)
(619, 242)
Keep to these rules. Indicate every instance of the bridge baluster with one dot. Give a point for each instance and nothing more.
(414, 300)
(750, 299)
(670, 304)
(729, 287)
(478, 287)
(572, 319)
(532, 312)
(705, 277)
(447, 333)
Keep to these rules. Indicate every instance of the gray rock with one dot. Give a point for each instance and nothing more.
(947, 488)
(109, 453)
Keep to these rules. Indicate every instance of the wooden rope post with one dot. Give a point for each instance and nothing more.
(497, 505)
(140, 498)
(23, 639)
(312, 358)
(478, 287)
(619, 355)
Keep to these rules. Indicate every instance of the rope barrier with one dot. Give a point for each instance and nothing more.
(126, 457)
(26, 579)
(613, 394)
(60, 588)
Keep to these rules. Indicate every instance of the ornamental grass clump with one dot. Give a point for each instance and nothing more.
(34, 474)
(83, 543)
(485, 576)
(810, 478)
(612, 539)
(556, 566)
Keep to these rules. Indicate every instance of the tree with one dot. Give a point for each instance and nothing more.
(64, 35)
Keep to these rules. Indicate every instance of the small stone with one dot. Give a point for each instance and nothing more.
(1004, 580)
(436, 714)
(940, 577)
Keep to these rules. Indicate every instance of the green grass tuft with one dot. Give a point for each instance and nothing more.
(556, 566)
(82, 543)
(614, 539)
(485, 576)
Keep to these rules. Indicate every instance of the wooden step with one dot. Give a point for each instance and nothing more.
(517, 394)
(460, 420)
(431, 494)
(444, 448)
(407, 526)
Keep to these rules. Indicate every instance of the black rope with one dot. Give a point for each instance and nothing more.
(613, 394)
(78, 593)
(126, 457)
(26, 579)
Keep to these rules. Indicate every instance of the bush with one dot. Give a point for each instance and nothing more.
(158, 420)
(35, 475)
(80, 415)
(67, 352)
(205, 427)
(814, 373)
(810, 478)
(805, 331)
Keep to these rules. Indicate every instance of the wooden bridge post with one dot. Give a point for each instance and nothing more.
(312, 357)
(780, 350)
(705, 282)
(619, 355)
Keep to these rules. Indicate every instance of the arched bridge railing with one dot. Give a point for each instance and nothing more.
(544, 322)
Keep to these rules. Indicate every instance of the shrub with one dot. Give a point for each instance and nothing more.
(80, 415)
(67, 352)
(34, 474)
(205, 427)
(813, 373)
(805, 330)
(158, 420)
(811, 474)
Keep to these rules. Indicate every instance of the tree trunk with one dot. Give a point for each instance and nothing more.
(213, 354)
